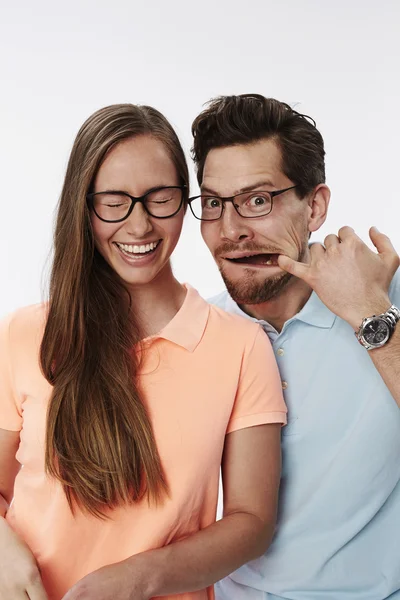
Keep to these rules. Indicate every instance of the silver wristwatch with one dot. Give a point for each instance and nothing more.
(376, 331)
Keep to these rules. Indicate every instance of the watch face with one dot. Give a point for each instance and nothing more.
(376, 332)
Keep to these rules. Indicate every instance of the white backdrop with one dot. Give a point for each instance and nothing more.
(337, 61)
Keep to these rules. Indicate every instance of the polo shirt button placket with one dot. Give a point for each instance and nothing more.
(280, 352)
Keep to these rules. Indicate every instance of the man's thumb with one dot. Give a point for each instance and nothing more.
(292, 266)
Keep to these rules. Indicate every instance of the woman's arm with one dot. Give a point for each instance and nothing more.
(19, 574)
(251, 474)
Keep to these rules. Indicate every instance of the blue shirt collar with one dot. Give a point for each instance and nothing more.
(314, 313)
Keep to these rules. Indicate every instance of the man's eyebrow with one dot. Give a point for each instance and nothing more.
(258, 185)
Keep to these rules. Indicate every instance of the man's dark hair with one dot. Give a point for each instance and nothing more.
(248, 118)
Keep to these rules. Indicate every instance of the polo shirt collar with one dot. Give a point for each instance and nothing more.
(314, 312)
(188, 325)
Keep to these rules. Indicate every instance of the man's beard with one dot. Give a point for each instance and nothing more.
(249, 290)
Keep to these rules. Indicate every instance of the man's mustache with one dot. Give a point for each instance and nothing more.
(228, 247)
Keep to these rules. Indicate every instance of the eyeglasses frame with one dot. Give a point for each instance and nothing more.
(232, 198)
(135, 200)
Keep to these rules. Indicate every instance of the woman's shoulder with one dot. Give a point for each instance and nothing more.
(25, 321)
(232, 324)
(218, 320)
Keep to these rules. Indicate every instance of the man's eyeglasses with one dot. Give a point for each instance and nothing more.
(249, 205)
(161, 203)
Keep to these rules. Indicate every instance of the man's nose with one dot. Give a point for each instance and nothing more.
(234, 227)
(139, 222)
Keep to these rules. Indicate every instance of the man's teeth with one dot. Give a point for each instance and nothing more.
(129, 249)
(269, 262)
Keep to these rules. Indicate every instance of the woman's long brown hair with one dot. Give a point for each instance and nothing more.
(99, 439)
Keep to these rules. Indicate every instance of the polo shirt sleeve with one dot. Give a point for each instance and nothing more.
(10, 411)
(259, 399)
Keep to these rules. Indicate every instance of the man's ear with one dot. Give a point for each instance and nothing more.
(318, 203)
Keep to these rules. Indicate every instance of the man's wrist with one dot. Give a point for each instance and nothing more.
(368, 310)
(377, 330)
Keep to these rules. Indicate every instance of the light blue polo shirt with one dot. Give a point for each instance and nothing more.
(338, 533)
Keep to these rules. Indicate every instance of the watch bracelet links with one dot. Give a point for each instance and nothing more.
(391, 316)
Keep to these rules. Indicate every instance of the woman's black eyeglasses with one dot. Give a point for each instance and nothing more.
(115, 206)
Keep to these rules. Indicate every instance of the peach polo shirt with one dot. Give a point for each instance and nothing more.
(206, 374)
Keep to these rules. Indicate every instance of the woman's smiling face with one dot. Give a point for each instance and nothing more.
(138, 248)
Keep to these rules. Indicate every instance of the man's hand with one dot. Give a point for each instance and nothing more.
(350, 279)
(119, 581)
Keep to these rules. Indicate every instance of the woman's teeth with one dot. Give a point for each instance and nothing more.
(136, 250)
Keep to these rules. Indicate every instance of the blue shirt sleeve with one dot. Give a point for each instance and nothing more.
(394, 289)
